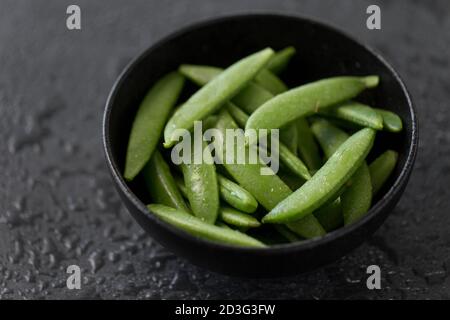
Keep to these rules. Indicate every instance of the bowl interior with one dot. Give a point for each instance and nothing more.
(321, 52)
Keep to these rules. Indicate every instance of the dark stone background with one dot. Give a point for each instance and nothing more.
(57, 203)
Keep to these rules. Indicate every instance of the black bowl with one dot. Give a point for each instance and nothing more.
(322, 51)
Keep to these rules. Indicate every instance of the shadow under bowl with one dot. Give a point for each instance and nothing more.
(322, 51)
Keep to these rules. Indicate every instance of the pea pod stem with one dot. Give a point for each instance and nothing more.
(214, 94)
(330, 178)
(198, 228)
(154, 108)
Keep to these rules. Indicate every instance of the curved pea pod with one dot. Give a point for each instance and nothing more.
(161, 184)
(268, 190)
(249, 98)
(198, 228)
(330, 216)
(391, 121)
(357, 113)
(280, 60)
(236, 196)
(202, 188)
(326, 182)
(238, 219)
(381, 168)
(307, 146)
(214, 94)
(307, 99)
(356, 197)
(149, 122)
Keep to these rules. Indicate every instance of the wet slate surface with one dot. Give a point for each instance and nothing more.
(58, 206)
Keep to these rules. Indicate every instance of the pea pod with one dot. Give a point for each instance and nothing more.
(357, 113)
(307, 99)
(236, 196)
(249, 98)
(290, 160)
(326, 182)
(391, 121)
(289, 137)
(161, 184)
(269, 190)
(270, 82)
(213, 95)
(280, 60)
(231, 193)
(238, 219)
(307, 146)
(202, 189)
(154, 109)
(329, 136)
(286, 233)
(356, 197)
(330, 216)
(381, 168)
(198, 228)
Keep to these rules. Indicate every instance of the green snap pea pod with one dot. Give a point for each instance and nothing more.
(181, 187)
(329, 136)
(231, 193)
(287, 233)
(238, 219)
(292, 181)
(161, 184)
(381, 168)
(289, 159)
(269, 190)
(330, 216)
(236, 196)
(307, 99)
(249, 98)
(222, 225)
(202, 188)
(214, 94)
(326, 182)
(307, 146)
(391, 121)
(358, 113)
(289, 137)
(270, 82)
(201, 229)
(149, 122)
(356, 198)
(280, 60)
